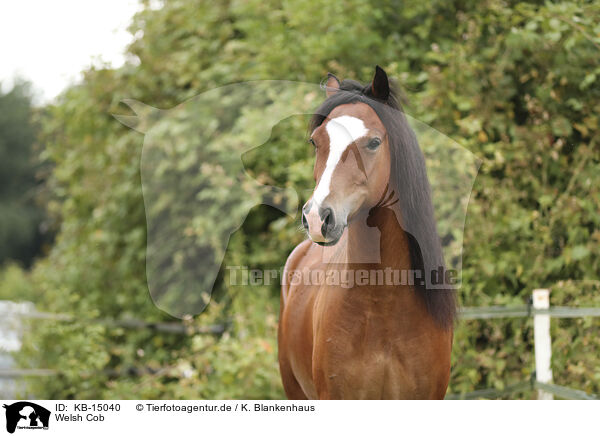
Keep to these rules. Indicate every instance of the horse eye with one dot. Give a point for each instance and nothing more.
(310, 140)
(374, 143)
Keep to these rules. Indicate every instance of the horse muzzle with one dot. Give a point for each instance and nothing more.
(321, 224)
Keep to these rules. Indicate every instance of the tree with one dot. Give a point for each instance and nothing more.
(20, 236)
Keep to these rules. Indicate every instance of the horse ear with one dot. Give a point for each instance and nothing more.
(332, 86)
(380, 86)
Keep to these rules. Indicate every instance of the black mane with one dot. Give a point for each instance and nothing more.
(409, 180)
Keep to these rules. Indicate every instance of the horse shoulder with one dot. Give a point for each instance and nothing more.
(292, 264)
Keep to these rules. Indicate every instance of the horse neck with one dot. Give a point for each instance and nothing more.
(383, 233)
(381, 241)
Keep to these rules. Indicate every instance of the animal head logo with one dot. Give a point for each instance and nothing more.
(197, 191)
(27, 415)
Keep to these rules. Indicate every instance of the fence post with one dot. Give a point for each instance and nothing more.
(543, 341)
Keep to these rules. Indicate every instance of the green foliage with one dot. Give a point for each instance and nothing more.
(20, 217)
(516, 91)
(15, 284)
(515, 83)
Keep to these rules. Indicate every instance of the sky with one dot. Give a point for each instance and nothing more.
(51, 42)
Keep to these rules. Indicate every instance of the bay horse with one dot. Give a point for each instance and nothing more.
(371, 210)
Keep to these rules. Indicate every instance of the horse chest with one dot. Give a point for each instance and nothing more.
(360, 354)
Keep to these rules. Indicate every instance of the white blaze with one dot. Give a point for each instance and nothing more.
(342, 132)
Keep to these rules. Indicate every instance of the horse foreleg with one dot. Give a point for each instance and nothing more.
(293, 390)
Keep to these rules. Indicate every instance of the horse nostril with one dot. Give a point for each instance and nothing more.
(304, 222)
(328, 221)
